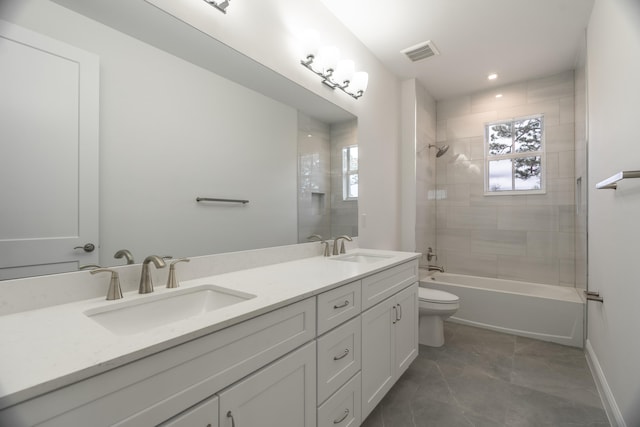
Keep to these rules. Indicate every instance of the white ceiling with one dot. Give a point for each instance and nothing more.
(518, 39)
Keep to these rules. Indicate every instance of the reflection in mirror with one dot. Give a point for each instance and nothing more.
(327, 178)
(177, 121)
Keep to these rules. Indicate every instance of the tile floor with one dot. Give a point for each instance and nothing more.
(481, 378)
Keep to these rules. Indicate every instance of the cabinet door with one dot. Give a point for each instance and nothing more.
(282, 394)
(406, 328)
(204, 414)
(378, 353)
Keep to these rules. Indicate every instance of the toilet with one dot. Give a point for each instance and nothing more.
(435, 307)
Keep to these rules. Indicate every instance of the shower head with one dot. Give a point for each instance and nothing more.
(441, 150)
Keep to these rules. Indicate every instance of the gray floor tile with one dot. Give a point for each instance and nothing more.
(482, 378)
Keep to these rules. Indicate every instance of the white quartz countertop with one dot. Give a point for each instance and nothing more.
(52, 347)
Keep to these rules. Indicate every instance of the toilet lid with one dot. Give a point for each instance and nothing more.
(435, 295)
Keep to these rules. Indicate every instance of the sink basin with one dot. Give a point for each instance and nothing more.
(361, 257)
(132, 317)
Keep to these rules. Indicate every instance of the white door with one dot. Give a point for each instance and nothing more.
(282, 394)
(378, 353)
(48, 154)
(406, 328)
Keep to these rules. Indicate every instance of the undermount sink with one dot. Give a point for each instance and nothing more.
(132, 317)
(361, 257)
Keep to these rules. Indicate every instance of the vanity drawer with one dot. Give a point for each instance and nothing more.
(343, 408)
(154, 389)
(338, 357)
(380, 286)
(338, 305)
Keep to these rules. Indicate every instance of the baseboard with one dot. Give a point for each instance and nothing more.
(606, 395)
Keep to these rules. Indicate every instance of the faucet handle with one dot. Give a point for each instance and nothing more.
(115, 291)
(172, 282)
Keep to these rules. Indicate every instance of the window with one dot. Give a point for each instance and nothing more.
(350, 173)
(514, 156)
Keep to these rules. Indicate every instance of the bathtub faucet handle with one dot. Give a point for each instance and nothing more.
(431, 254)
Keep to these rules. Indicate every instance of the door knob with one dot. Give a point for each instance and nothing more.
(89, 247)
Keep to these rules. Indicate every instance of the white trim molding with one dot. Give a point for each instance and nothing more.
(606, 395)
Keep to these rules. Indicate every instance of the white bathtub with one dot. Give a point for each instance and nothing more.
(545, 312)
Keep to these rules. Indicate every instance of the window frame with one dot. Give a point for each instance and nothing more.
(492, 157)
(347, 172)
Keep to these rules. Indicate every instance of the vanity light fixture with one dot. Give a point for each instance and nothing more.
(325, 62)
(491, 76)
(221, 5)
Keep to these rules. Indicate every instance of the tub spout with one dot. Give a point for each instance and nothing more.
(435, 268)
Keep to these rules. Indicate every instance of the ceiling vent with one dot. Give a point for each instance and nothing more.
(421, 51)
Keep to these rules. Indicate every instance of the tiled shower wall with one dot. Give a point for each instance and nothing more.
(321, 209)
(344, 213)
(314, 183)
(520, 237)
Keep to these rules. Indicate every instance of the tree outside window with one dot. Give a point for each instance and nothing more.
(350, 173)
(514, 158)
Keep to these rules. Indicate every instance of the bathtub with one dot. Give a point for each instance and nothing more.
(544, 312)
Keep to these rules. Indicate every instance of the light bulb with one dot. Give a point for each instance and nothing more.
(310, 42)
(344, 72)
(359, 82)
(327, 59)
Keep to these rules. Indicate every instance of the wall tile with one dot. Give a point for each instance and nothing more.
(471, 217)
(453, 107)
(469, 126)
(497, 242)
(550, 88)
(512, 95)
(472, 264)
(523, 237)
(529, 218)
(529, 269)
(551, 111)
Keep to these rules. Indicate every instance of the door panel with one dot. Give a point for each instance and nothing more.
(48, 154)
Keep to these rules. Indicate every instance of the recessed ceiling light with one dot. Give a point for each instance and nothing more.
(499, 95)
(492, 76)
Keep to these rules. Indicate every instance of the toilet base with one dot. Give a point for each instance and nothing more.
(431, 331)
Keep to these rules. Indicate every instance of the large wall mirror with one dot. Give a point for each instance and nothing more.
(176, 124)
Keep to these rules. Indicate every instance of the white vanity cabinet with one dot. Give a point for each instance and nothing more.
(154, 389)
(326, 360)
(389, 344)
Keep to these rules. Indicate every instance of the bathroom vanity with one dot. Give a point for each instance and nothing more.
(306, 342)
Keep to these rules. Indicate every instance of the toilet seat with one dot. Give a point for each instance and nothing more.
(437, 296)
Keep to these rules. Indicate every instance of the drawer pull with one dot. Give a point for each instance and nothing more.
(342, 418)
(343, 355)
(400, 312)
(395, 314)
(343, 305)
(233, 422)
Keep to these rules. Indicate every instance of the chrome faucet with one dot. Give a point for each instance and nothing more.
(318, 238)
(126, 254)
(146, 284)
(335, 244)
(435, 268)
